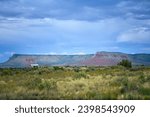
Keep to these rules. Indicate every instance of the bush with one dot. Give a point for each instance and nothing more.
(144, 91)
(48, 85)
(58, 68)
(125, 63)
(81, 75)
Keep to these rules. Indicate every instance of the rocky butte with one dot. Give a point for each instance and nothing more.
(98, 59)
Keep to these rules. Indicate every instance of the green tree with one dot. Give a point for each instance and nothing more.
(125, 63)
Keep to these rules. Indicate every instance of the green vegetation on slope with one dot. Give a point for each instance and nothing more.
(75, 83)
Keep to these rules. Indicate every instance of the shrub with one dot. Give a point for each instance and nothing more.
(76, 69)
(58, 68)
(48, 85)
(144, 91)
(81, 75)
(142, 78)
(125, 63)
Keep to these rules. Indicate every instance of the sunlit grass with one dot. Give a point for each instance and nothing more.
(114, 82)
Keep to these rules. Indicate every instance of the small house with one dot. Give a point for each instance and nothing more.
(34, 65)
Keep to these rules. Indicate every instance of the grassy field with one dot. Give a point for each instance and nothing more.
(75, 83)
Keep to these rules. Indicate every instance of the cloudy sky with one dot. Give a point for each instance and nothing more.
(73, 26)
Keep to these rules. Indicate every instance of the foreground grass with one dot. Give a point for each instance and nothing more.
(75, 83)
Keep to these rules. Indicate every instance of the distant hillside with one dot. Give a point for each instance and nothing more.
(98, 59)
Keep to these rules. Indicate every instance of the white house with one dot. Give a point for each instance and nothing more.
(34, 65)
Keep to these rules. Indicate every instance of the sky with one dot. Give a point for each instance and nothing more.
(73, 26)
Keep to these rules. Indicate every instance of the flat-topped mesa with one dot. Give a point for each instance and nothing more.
(97, 59)
(105, 59)
(114, 55)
